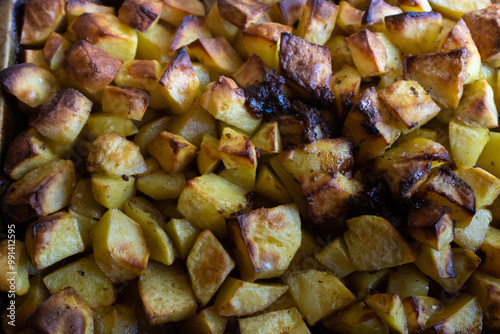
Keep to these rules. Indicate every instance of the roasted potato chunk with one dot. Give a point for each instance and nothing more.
(466, 142)
(125, 102)
(62, 312)
(390, 308)
(407, 280)
(477, 107)
(317, 21)
(53, 238)
(265, 241)
(191, 28)
(41, 18)
(242, 13)
(40, 192)
(465, 263)
(216, 54)
(418, 310)
(282, 321)
(112, 192)
(53, 51)
(376, 12)
(63, 116)
(173, 152)
(140, 14)
(436, 264)
(491, 248)
(206, 321)
(369, 53)
(174, 11)
(183, 235)
(431, 225)
(335, 256)
(463, 315)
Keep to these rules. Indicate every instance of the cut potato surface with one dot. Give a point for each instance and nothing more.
(251, 166)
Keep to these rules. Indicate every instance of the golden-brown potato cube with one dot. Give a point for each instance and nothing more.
(240, 298)
(418, 310)
(465, 262)
(29, 83)
(442, 74)
(335, 257)
(252, 71)
(115, 319)
(473, 236)
(26, 152)
(370, 126)
(151, 222)
(355, 318)
(125, 102)
(77, 7)
(166, 294)
(140, 14)
(106, 32)
(208, 265)
(154, 44)
(317, 21)
(375, 14)
(317, 293)
(445, 188)
(236, 150)
(491, 248)
(190, 29)
(86, 278)
(41, 18)
(407, 166)
(487, 290)
(306, 65)
(206, 321)
(486, 187)
(64, 311)
(328, 195)
(265, 241)
(340, 54)
(262, 39)
(267, 138)
(270, 186)
(242, 14)
(160, 185)
(409, 103)
(63, 116)
(180, 82)
(102, 123)
(225, 101)
(369, 53)
(208, 158)
(483, 25)
(174, 11)
(120, 247)
(83, 202)
(14, 263)
(216, 54)
(374, 244)
(219, 26)
(143, 74)
(85, 224)
(431, 225)
(281, 321)
(40, 192)
(459, 36)
(436, 264)
(53, 238)
(466, 142)
(53, 51)
(415, 5)
(414, 32)
(407, 280)
(350, 18)
(462, 315)
(477, 106)
(345, 86)
(391, 310)
(193, 124)
(183, 235)
(209, 199)
(90, 67)
(115, 156)
(173, 152)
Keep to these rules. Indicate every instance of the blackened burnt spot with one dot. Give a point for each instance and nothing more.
(370, 128)
(265, 99)
(314, 120)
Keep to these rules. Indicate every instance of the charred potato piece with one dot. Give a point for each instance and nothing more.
(287, 11)
(40, 192)
(345, 86)
(242, 13)
(62, 312)
(41, 18)
(140, 14)
(53, 238)
(63, 116)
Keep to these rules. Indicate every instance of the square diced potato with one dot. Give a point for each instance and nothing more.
(173, 152)
(335, 256)
(369, 53)
(183, 235)
(112, 192)
(53, 238)
(125, 102)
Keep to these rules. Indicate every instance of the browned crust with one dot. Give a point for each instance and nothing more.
(22, 148)
(140, 14)
(242, 13)
(484, 26)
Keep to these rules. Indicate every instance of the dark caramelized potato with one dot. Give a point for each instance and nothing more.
(41, 18)
(140, 14)
(442, 74)
(29, 83)
(90, 67)
(306, 65)
(290, 10)
(63, 116)
(431, 225)
(64, 312)
(370, 126)
(40, 192)
(191, 28)
(484, 26)
(242, 13)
